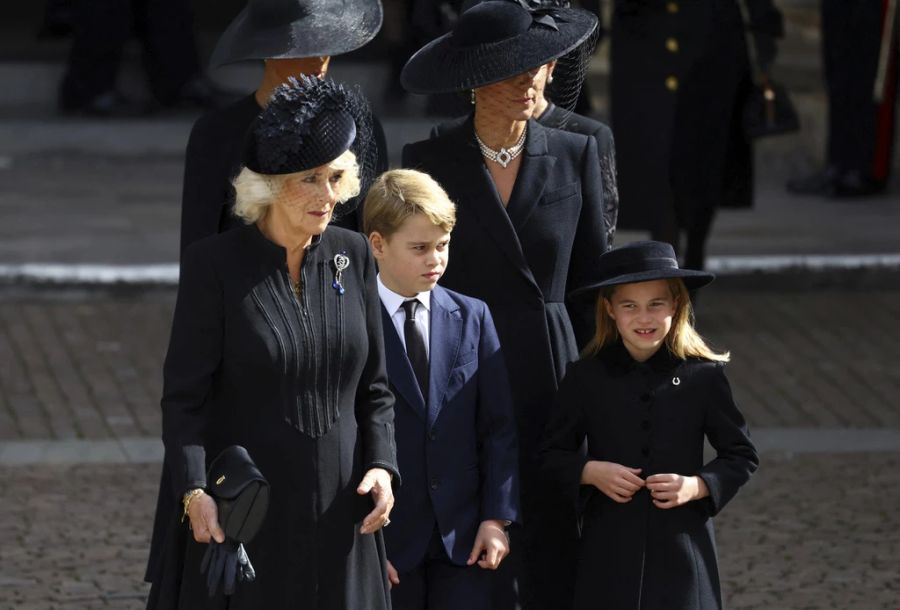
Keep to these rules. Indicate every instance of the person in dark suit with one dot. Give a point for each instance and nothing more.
(276, 346)
(679, 75)
(860, 127)
(644, 396)
(456, 433)
(291, 37)
(529, 222)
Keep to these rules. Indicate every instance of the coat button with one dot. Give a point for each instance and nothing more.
(434, 484)
(672, 83)
(645, 424)
(645, 397)
(432, 436)
(672, 45)
(672, 7)
(645, 451)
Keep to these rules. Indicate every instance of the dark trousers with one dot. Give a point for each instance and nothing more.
(101, 29)
(860, 131)
(438, 584)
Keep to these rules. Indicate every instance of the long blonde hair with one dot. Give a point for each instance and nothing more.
(682, 340)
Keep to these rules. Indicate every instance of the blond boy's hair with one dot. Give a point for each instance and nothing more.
(400, 193)
(683, 340)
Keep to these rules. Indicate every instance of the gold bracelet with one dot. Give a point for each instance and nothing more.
(187, 499)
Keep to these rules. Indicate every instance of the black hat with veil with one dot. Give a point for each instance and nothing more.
(308, 123)
(498, 39)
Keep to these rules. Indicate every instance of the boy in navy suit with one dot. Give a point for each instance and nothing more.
(455, 428)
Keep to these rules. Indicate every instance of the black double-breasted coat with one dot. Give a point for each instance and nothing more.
(654, 416)
(679, 73)
(301, 383)
(523, 260)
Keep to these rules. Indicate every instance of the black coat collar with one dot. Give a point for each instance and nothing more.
(616, 356)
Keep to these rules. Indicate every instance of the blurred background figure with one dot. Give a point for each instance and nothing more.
(679, 77)
(859, 50)
(100, 30)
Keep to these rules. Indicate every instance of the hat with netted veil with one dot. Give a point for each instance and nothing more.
(496, 40)
(308, 123)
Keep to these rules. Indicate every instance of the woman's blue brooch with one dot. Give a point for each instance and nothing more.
(341, 262)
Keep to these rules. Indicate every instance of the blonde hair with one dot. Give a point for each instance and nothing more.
(398, 194)
(255, 192)
(682, 340)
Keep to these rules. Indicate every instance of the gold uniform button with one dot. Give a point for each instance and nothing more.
(672, 45)
(672, 83)
(672, 7)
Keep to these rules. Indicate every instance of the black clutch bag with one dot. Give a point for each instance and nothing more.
(768, 111)
(241, 493)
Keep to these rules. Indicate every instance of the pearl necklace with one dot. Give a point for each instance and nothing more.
(504, 156)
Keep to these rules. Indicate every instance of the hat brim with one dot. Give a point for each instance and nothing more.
(692, 279)
(442, 67)
(314, 35)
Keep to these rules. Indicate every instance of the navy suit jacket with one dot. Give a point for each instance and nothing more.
(458, 452)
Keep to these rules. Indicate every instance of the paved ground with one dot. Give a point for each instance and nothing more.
(812, 530)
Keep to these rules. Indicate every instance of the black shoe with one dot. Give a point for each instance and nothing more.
(856, 184)
(822, 183)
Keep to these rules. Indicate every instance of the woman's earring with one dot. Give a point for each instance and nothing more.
(472, 98)
(549, 79)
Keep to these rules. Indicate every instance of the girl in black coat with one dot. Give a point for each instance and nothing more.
(645, 395)
(530, 221)
(276, 346)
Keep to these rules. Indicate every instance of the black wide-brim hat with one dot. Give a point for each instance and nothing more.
(641, 261)
(493, 41)
(291, 29)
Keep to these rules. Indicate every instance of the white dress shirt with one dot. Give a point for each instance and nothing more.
(393, 303)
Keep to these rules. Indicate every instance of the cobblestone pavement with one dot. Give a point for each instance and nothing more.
(816, 531)
(91, 368)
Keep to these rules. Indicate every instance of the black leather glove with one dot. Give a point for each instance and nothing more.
(227, 563)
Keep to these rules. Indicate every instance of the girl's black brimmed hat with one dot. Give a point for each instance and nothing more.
(493, 41)
(291, 29)
(641, 261)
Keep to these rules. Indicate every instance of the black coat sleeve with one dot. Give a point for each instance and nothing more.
(499, 452)
(562, 459)
(205, 190)
(374, 401)
(729, 435)
(194, 356)
(590, 242)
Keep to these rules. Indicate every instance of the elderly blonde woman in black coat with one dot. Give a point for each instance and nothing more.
(276, 346)
(530, 221)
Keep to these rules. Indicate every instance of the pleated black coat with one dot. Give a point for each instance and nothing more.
(301, 384)
(653, 416)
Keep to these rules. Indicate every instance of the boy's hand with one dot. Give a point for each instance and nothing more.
(491, 545)
(671, 490)
(616, 481)
(393, 577)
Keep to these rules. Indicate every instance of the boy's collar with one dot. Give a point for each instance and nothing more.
(393, 301)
